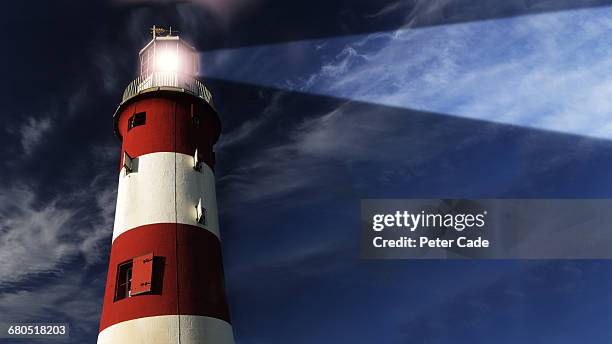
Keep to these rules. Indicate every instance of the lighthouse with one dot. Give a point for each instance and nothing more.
(165, 279)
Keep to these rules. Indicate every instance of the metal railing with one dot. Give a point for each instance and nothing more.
(183, 82)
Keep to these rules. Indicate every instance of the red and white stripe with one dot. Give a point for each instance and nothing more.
(156, 213)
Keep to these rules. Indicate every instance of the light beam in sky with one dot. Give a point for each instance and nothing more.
(549, 71)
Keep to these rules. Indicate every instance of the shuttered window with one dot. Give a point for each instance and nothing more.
(134, 277)
(142, 274)
(136, 120)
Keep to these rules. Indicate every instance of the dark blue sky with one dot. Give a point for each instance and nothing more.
(303, 141)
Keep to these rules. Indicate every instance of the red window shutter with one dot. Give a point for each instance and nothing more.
(142, 274)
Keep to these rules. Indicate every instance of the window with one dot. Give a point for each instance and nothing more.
(200, 213)
(197, 164)
(124, 281)
(127, 163)
(146, 62)
(134, 277)
(196, 120)
(136, 120)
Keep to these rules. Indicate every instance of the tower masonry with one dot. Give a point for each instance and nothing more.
(165, 279)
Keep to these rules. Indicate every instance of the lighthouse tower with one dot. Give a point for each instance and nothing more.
(165, 277)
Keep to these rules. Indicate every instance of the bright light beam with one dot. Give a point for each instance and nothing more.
(549, 71)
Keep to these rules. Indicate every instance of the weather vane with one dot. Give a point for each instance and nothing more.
(160, 31)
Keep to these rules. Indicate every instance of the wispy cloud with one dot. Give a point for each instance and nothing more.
(31, 238)
(73, 301)
(31, 132)
(249, 127)
(38, 237)
(317, 148)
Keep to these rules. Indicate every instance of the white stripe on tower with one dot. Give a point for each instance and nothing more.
(164, 329)
(147, 195)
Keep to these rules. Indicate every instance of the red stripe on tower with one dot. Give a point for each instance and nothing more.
(165, 278)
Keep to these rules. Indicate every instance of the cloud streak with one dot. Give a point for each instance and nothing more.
(30, 237)
(32, 131)
(39, 237)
